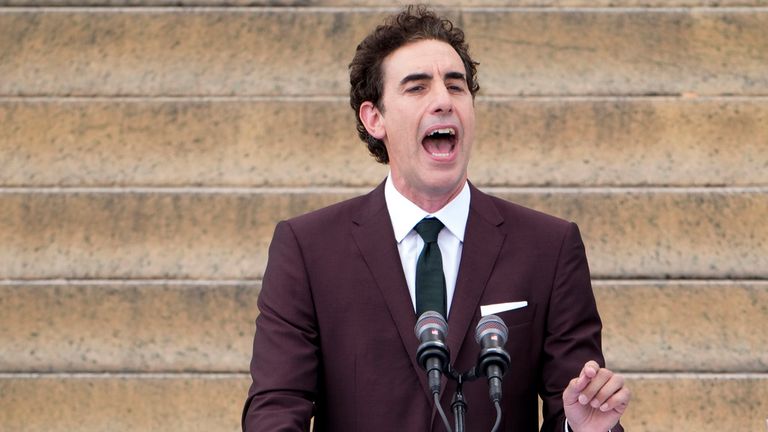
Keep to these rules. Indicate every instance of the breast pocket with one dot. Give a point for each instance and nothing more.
(517, 317)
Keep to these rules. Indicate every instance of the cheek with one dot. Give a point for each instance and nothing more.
(469, 130)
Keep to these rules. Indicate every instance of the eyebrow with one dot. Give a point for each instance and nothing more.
(415, 77)
(426, 76)
(455, 75)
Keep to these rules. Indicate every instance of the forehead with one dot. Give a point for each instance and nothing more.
(425, 56)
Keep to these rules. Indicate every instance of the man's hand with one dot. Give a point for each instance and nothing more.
(595, 400)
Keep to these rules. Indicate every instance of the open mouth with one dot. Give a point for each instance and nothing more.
(440, 142)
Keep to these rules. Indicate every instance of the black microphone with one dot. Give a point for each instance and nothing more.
(432, 354)
(493, 361)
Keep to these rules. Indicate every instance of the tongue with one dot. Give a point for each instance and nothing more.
(437, 145)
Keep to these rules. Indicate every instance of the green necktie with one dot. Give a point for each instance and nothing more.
(430, 280)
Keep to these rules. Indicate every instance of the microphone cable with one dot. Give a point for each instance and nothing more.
(440, 411)
(498, 416)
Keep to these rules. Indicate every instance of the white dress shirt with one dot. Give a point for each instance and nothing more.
(405, 215)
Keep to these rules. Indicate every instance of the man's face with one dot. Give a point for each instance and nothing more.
(427, 120)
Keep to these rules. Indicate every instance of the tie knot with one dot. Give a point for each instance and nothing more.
(428, 229)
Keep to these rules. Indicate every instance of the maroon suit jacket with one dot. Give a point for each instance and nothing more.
(335, 339)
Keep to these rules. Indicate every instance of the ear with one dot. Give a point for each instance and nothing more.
(372, 120)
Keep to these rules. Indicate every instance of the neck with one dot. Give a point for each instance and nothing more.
(429, 201)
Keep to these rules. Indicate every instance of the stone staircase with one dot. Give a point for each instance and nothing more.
(148, 147)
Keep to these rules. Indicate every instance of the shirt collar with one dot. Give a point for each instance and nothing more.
(405, 214)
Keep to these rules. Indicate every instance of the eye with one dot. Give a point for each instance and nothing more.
(414, 89)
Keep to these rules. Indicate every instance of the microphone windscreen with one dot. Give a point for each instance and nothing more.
(430, 320)
(491, 324)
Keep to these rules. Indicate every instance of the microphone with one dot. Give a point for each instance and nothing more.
(493, 361)
(432, 353)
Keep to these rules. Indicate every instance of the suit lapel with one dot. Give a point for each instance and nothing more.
(375, 239)
(482, 244)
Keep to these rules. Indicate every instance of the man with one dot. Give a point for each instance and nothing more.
(342, 291)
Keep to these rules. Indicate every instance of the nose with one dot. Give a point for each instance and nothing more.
(442, 102)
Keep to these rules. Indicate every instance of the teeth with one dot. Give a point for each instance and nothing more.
(449, 131)
(441, 154)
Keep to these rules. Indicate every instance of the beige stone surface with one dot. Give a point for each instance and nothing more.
(215, 234)
(256, 142)
(622, 141)
(138, 234)
(643, 51)
(183, 142)
(707, 326)
(278, 51)
(127, 325)
(647, 232)
(697, 403)
(206, 326)
(128, 402)
(178, 52)
(684, 403)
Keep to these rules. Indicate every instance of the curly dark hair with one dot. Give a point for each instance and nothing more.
(414, 23)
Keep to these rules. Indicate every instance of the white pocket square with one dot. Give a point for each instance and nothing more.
(501, 307)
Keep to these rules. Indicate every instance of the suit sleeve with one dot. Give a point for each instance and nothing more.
(284, 366)
(573, 329)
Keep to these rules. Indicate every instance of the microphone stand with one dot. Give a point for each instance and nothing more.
(459, 405)
(492, 352)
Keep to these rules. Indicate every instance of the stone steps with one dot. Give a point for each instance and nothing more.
(211, 402)
(137, 326)
(521, 142)
(169, 326)
(304, 51)
(122, 402)
(684, 325)
(223, 234)
(147, 152)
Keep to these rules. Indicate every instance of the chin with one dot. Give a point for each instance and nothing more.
(445, 182)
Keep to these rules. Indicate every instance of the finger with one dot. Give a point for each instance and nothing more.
(618, 402)
(590, 368)
(613, 385)
(595, 384)
(588, 371)
(576, 385)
